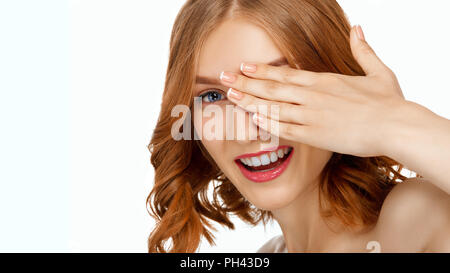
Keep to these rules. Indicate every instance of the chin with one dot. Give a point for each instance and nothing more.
(273, 198)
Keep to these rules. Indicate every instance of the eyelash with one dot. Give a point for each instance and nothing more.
(205, 94)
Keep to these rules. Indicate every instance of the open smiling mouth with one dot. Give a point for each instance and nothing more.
(265, 166)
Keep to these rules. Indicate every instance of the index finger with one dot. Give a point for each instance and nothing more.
(283, 74)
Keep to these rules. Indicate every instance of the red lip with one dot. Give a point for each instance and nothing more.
(264, 176)
(262, 152)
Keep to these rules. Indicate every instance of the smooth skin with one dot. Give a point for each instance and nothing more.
(358, 115)
(319, 109)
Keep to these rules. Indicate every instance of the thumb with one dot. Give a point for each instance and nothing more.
(364, 54)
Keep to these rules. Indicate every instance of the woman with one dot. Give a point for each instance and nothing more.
(345, 132)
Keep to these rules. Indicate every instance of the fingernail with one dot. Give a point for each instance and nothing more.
(227, 77)
(245, 67)
(360, 33)
(234, 94)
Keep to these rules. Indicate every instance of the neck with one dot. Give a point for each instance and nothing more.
(304, 229)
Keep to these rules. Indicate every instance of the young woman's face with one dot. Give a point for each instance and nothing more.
(278, 180)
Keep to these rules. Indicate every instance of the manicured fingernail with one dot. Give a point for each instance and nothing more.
(227, 77)
(234, 94)
(245, 67)
(360, 33)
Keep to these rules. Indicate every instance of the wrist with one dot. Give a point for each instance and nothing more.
(402, 122)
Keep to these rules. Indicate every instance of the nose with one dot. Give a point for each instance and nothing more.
(251, 132)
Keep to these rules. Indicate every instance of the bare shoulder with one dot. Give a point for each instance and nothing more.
(415, 216)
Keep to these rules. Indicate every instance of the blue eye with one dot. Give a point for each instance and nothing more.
(211, 96)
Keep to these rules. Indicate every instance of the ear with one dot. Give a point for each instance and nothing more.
(364, 54)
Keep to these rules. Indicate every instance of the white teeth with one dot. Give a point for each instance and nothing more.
(255, 161)
(265, 159)
(273, 157)
(249, 162)
(280, 153)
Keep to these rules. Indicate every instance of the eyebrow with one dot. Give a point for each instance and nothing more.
(206, 80)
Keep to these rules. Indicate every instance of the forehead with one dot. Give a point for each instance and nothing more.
(233, 42)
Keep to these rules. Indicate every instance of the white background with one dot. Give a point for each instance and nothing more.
(80, 90)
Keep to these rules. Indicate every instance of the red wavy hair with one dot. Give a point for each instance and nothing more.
(312, 35)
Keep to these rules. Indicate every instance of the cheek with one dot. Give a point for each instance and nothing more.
(205, 128)
(219, 152)
(312, 160)
(210, 123)
(321, 159)
(311, 164)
